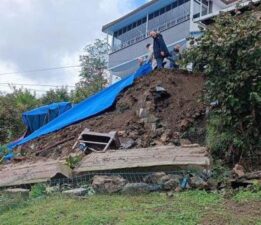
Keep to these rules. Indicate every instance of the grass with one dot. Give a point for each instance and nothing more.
(188, 208)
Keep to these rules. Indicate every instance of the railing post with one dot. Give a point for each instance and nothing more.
(147, 25)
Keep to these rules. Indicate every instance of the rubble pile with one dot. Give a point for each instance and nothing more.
(162, 108)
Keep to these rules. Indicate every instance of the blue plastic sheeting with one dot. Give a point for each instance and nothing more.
(88, 108)
(39, 117)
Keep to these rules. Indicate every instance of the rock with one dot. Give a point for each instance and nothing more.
(24, 193)
(108, 184)
(122, 133)
(142, 113)
(127, 143)
(198, 183)
(238, 170)
(50, 190)
(185, 142)
(154, 178)
(166, 136)
(184, 124)
(152, 119)
(136, 188)
(170, 194)
(76, 192)
(172, 183)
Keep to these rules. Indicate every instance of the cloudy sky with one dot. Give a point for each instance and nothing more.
(36, 34)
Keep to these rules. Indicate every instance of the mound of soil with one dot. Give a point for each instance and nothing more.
(161, 108)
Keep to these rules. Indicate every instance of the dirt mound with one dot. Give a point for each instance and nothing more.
(158, 109)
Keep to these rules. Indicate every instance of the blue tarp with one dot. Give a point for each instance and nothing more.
(39, 117)
(87, 108)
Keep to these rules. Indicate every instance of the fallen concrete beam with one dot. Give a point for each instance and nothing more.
(32, 172)
(142, 158)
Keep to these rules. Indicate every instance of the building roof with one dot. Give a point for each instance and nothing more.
(134, 15)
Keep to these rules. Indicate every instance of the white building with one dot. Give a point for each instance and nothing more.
(175, 19)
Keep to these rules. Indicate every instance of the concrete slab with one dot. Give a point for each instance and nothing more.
(32, 172)
(146, 157)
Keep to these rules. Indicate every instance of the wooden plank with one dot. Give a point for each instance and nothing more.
(32, 172)
(141, 158)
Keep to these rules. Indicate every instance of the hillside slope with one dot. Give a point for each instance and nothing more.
(158, 109)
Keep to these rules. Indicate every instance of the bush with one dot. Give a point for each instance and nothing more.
(38, 190)
(229, 55)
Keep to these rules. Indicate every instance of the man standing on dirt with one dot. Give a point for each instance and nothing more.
(159, 48)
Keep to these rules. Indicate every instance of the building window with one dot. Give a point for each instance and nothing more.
(136, 31)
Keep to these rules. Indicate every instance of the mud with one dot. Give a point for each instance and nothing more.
(161, 108)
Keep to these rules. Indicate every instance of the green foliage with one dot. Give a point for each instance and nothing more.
(186, 208)
(72, 161)
(56, 95)
(3, 152)
(38, 190)
(247, 195)
(229, 55)
(94, 64)
(11, 108)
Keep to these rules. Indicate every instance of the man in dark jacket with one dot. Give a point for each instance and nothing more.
(159, 48)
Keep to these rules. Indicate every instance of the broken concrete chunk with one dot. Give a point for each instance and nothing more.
(108, 184)
(76, 192)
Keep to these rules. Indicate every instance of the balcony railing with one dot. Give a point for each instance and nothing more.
(160, 23)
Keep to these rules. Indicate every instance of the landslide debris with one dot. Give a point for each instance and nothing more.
(162, 108)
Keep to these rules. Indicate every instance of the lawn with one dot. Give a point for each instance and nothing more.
(187, 208)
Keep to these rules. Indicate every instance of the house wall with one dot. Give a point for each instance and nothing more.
(171, 35)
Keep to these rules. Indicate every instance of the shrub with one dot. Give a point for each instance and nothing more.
(38, 190)
(229, 55)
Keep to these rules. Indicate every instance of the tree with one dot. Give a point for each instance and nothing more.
(56, 95)
(11, 108)
(229, 55)
(94, 64)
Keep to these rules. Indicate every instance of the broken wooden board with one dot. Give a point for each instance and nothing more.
(142, 158)
(32, 172)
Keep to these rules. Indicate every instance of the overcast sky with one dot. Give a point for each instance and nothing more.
(37, 34)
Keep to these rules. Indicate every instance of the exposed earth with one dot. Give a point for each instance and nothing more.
(162, 108)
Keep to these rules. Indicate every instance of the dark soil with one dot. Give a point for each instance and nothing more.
(141, 113)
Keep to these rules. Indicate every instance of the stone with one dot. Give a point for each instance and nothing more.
(50, 190)
(142, 113)
(170, 194)
(238, 170)
(166, 136)
(127, 143)
(122, 133)
(154, 178)
(136, 188)
(76, 192)
(108, 184)
(24, 193)
(172, 183)
(198, 183)
(184, 124)
(152, 119)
